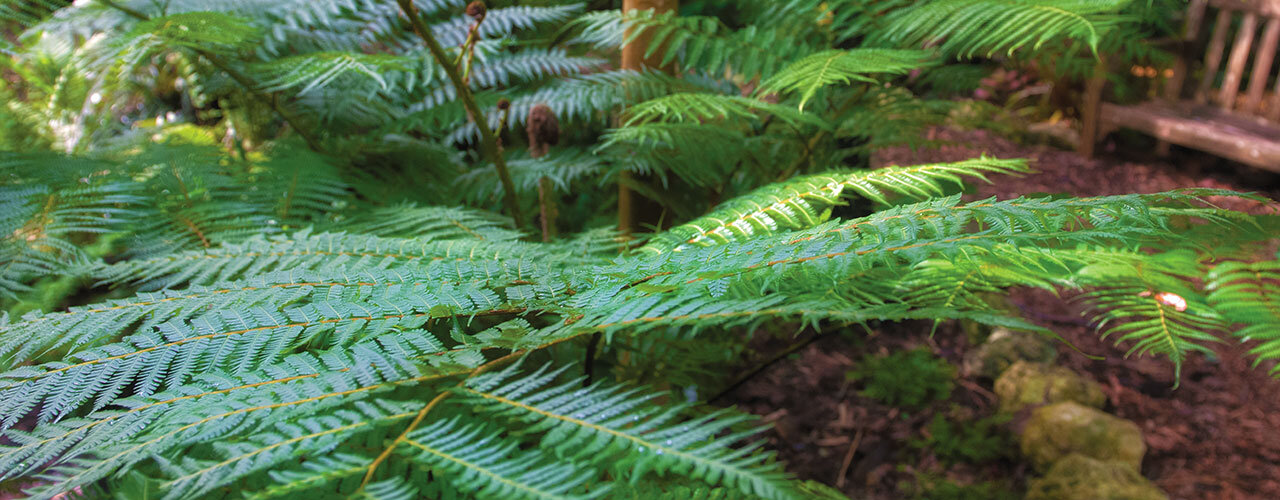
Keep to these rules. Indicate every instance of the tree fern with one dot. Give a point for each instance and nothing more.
(293, 284)
(764, 278)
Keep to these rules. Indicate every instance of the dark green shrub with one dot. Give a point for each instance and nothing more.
(910, 379)
(974, 441)
(930, 487)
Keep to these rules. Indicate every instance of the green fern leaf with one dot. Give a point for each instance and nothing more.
(966, 28)
(483, 463)
(799, 203)
(826, 68)
(619, 426)
(199, 30)
(1246, 293)
(690, 107)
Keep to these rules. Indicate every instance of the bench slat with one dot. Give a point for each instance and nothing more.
(1265, 8)
(1190, 31)
(1273, 114)
(1235, 64)
(1195, 17)
(1213, 57)
(1213, 131)
(1262, 66)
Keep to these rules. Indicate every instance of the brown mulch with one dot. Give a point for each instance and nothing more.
(826, 431)
(1216, 436)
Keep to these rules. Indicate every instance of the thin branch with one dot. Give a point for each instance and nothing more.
(488, 142)
(848, 458)
(764, 366)
(240, 78)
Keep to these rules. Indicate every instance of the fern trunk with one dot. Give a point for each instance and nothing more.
(634, 58)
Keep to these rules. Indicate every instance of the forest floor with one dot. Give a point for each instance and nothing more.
(1214, 437)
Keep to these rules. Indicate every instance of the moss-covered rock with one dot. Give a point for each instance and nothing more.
(1061, 429)
(1031, 384)
(1004, 348)
(1077, 477)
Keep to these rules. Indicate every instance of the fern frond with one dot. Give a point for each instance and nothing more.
(197, 203)
(601, 30)
(966, 28)
(839, 20)
(800, 203)
(585, 98)
(831, 67)
(891, 117)
(47, 199)
(308, 72)
(618, 426)
(691, 107)
(297, 186)
(200, 30)
(319, 471)
(336, 252)
(296, 388)
(969, 280)
(237, 341)
(1249, 294)
(563, 167)
(435, 223)
(528, 64)
(1156, 323)
(89, 326)
(502, 22)
(29, 12)
(191, 477)
(294, 26)
(701, 155)
(481, 462)
(696, 42)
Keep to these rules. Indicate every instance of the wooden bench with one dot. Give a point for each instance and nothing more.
(1212, 117)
